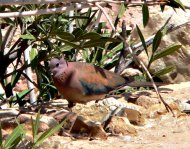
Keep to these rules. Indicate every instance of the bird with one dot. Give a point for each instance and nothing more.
(81, 82)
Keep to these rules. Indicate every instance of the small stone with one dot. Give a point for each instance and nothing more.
(134, 116)
(112, 108)
(50, 121)
(91, 129)
(146, 101)
(8, 113)
(121, 125)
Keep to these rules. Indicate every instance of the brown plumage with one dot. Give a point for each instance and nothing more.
(82, 82)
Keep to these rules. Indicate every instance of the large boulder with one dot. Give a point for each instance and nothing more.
(179, 59)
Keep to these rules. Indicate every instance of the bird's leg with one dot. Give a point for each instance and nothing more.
(71, 104)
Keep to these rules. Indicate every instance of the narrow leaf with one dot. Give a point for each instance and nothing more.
(142, 40)
(156, 41)
(145, 12)
(122, 10)
(28, 36)
(112, 52)
(9, 21)
(180, 4)
(85, 21)
(33, 54)
(35, 126)
(15, 78)
(91, 17)
(164, 71)
(21, 95)
(167, 51)
(90, 35)
(99, 42)
(33, 58)
(78, 32)
(65, 48)
(48, 133)
(15, 137)
(72, 44)
(64, 35)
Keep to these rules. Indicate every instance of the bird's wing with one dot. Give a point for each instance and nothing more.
(95, 80)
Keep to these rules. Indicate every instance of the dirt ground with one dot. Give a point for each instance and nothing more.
(160, 129)
(166, 132)
(159, 132)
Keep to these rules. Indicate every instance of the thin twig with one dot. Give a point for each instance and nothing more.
(129, 49)
(107, 16)
(168, 108)
(42, 11)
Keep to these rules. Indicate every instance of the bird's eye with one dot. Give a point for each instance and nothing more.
(57, 65)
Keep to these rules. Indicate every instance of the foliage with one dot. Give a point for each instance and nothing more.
(155, 54)
(49, 36)
(38, 138)
(18, 134)
(13, 139)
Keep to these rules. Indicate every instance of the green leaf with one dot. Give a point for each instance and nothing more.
(99, 42)
(21, 95)
(15, 78)
(90, 35)
(28, 36)
(85, 54)
(2, 98)
(15, 137)
(33, 54)
(145, 12)
(167, 51)
(164, 71)
(156, 41)
(9, 21)
(64, 35)
(89, 20)
(113, 51)
(180, 4)
(72, 44)
(51, 86)
(86, 21)
(47, 134)
(98, 55)
(33, 58)
(142, 40)
(65, 48)
(122, 10)
(35, 126)
(78, 32)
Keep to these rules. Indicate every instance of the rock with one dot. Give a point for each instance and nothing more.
(60, 115)
(155, 111)
(90, 129)
(121, 125)
(135, 117)
(146, 101)
(8, 113)
(26, 119)
(101, 111)
(179, 59)
(8, 122)
(131, 72)
(50, 121)
(91, 111)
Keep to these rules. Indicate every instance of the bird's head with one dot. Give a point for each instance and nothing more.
(58, 66)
